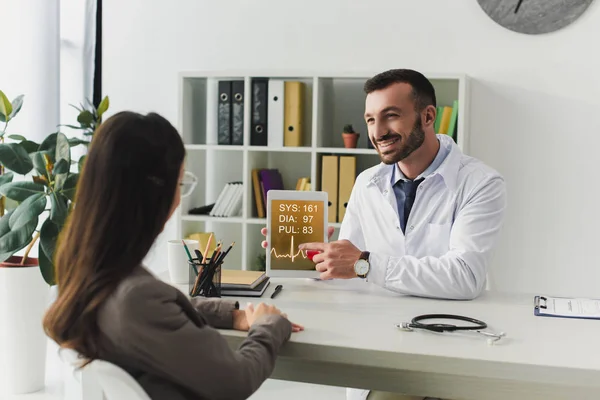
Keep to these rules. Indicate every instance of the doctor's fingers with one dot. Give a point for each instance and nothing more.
(321, 267)
(319, 258)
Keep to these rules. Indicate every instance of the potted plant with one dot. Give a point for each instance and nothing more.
(350, 137)
(41, 201)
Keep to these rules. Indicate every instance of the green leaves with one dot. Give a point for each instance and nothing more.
(5, 107)
(81, 163)
(13, 240)
(102, 107)
(52, 186)
(28, 145)
(14, 157)
(9, 110)
(59, 208)
(85, 118)
(70, 186)
(39, 161)
(90, 118)
(48, 237)
(63, 160)
(21, 190)
(28, 210)
(17, 103)
(6, 177)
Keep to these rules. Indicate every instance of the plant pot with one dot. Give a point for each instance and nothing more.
(24, 297)
(350, 140)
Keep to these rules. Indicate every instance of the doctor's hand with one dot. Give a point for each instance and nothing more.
(335, 259)
(265, 244)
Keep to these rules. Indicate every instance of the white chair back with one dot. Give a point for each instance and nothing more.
(99, 380)
(115, 382)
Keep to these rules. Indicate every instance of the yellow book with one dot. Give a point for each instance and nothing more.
(346, 179)
(293, 113)
(445, 123)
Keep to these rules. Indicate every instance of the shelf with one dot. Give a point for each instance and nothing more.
(208, 218)
(213, 147)
(257, 221)
(302, 149)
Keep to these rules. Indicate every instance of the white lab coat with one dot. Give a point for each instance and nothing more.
(450, 233)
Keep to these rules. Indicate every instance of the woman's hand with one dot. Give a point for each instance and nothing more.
(243, 319)
(240, 322)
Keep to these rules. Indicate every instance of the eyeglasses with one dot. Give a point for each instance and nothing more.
(188, 183)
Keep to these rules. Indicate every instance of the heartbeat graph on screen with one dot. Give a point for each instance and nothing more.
(291, 255)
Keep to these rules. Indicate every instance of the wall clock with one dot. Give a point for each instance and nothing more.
(534, 16)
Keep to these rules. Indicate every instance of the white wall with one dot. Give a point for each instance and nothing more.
(535, 99)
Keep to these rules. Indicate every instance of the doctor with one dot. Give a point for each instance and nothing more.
(425, 221)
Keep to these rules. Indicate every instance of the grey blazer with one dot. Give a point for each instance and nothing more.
(169, 344)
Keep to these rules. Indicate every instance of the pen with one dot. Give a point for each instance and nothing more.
(277, 290)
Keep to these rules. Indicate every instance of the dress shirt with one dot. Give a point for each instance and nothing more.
(405, 189)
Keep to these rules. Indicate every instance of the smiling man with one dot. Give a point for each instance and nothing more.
(425, 221)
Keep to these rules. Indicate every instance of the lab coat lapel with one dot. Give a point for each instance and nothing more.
(381, 180)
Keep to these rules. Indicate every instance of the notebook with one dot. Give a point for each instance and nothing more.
(564, 307)
(256, 292)
(239, 279)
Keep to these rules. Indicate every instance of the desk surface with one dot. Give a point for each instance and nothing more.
(352, 324)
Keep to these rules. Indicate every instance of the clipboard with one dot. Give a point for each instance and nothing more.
(565, 307)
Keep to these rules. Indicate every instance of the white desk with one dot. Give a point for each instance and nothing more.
(350, 340)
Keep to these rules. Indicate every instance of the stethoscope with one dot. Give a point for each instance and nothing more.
(477, 326)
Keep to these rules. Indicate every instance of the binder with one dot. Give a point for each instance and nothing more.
(237, 115)
(564, 307)
(276, 112)
(258, 193)
(329, 184)
(224, 113)
(347, 176)
(258, 134)
(293, 113)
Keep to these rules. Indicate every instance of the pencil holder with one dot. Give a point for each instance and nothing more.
(204, 278)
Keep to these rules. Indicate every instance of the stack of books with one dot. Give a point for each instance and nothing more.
(243, 283)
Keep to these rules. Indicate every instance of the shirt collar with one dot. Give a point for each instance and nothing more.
(446, 164)
(397, 173)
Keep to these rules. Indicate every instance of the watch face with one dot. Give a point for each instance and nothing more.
(361, 267)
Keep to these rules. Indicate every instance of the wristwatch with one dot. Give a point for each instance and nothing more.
(362, 266)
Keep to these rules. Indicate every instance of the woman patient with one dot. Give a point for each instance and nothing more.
(110, 307)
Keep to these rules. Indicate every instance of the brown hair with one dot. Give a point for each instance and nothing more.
(124, 198)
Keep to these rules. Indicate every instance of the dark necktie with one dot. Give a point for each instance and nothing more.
(405, 195)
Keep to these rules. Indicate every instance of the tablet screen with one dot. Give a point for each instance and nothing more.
(294, 222)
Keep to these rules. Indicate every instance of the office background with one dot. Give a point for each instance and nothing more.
(534, 98)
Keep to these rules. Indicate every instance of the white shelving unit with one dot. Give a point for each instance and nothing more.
(332, 100)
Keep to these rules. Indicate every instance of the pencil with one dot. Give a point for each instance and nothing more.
(187, 250)
(206, 249)
(223, 255)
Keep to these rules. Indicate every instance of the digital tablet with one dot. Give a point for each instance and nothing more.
(294, 217)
